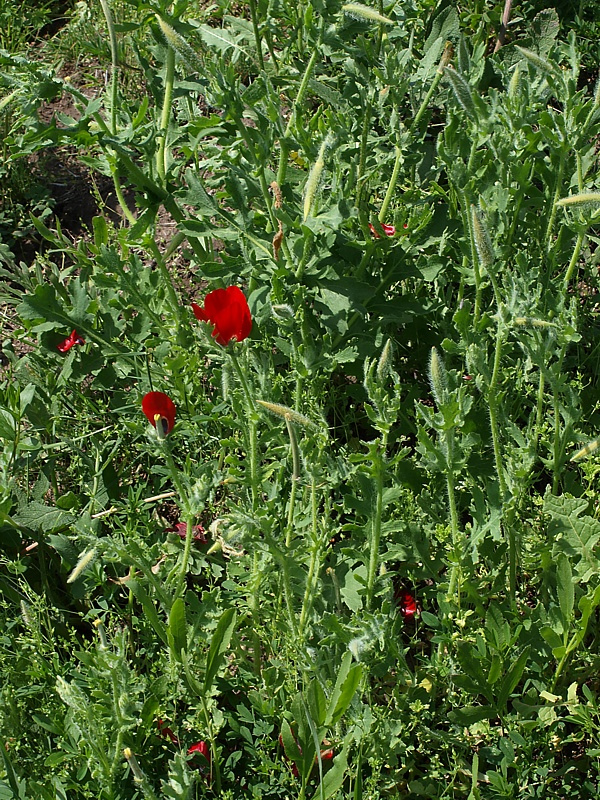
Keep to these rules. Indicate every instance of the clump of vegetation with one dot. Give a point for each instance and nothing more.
(297, 489)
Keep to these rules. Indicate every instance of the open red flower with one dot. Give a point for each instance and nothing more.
(180, 528)
(160, 410)
(227, 311)
(199, 749)
(68, 343)
(165, 731)
(389, 230)
(407, 602)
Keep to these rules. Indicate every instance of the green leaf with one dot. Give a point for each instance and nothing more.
(332, 781)
(317, 703)
(39, 517)
(290, 745)
(347, 683)
(218, 645)
(469, 715)
(565, 588)
(574, 533)
(197, 196)
(142, 596)
(512, 678)
(177, 631)
(219, 38)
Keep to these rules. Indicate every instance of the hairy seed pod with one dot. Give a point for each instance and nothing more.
(384, 365)
(312, 183)
(181, 46)
(288, 414)
(438, 378)
(483, 243)
(588, 199)
(590, 447)
(513, 86)
(365, 13)
(85, 559)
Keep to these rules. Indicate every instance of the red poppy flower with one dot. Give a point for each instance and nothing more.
(408, 604)
(165, 731)
(389, 230)
(180, 528)
(68, 343)
(227, 311)
(201, 748)
(160, 410)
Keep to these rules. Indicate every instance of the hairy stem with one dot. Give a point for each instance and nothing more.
(161, 154)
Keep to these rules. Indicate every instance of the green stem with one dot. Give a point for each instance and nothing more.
(555, 199)
(493, 411)
(214, 761)
(179, 590)
(257, 36)
(436, 79)
(114, 53)
(121, 197)
(391, 186)
(313, 566)
(295, 479)
(378, 468)
(468, 223)
(539, 409)
(254, 604)
(451, 491)
(161, 155)
(284, 145)
(166, 275)
(573, 264)
(362, 154)
(252, 431)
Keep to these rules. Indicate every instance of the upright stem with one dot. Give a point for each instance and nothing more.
(307, 602)
(284, 146)
(573, 263)
(555, 199)
(474, 261)
(252, 420)
(161, 155)
(114, 53)
(391, 186)
(257, 36)
(493, 410)
(362, 155)
(450, 488)
(214, 761)
(378, 468)
(295, 479)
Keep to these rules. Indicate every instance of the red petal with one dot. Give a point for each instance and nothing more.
(67, 344)
(199, 313)
(228, 311)
(165, 731)
(389, 230)
(408, 604)
(180, 528)
(199, 747)
(158, 404)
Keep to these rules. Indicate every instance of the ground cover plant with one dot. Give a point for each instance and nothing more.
(298, 478)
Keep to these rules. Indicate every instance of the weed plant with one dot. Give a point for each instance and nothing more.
(302, 503)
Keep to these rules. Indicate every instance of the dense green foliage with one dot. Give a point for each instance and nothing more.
(395, 584)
